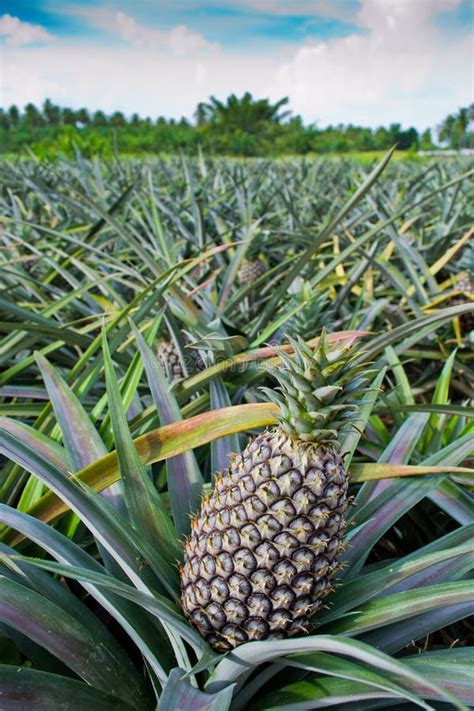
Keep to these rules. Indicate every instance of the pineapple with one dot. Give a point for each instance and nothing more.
(251, 270)
(170, 360)
(466, 287)
(266, 543)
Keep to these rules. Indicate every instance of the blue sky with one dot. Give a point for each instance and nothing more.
(364, 61)
(232, 23)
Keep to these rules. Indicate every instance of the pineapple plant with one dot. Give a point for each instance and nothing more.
(171, 362)
(265, 546)
(315, 310)
(251, 270)
(466, 288)
(90, 596)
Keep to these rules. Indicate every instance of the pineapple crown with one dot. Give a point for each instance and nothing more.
(319, 390)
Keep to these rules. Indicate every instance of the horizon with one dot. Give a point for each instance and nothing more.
(362, 62)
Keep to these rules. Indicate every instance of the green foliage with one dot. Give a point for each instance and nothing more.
(457, 129)
(103, 458)
(239, 126)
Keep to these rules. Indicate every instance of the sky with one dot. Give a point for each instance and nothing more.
(368, 62)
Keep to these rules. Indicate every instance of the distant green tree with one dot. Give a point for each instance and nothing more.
(426, 141)
(4, 122)
(82, 117)
(99, 119)
(32, 117)
(407, 139)
(13, 114)
(69, 117)
(382, 138)
(241, 126)
(247, 114)
(117, 119)
(244, 126)
(51, 113)
(457, 129)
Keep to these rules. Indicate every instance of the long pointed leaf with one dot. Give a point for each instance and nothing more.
(101, 665)
(185, 481)
(24, 688)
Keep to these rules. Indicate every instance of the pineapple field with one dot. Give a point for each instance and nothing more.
(236, 434)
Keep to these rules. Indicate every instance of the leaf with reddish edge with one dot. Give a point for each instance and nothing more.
(398, 451)
(268, 353)
(378, 515)
(370, 472)
(132, 620)
(48, 448)
(445, 565)
(24, 688)
(179, 437)
(100, 664)
(158, 445)
(381, 512)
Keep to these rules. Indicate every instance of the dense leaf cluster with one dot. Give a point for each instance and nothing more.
(105, 454)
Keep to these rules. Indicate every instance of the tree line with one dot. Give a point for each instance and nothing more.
(241, 126)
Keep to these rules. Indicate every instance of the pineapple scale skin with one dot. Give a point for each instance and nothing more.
(265, 545)
(251, 270)
(170, 360)
(467, 287)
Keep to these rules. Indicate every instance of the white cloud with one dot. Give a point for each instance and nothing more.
(177, 40)
(182, 40)
(17, 32)
(335, 9)
(129, 78)
(399, 68)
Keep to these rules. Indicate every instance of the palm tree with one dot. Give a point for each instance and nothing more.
(51, 113)
(82, 116)
(33, 117)
(455, 129)
(246, 113)
(13, 114)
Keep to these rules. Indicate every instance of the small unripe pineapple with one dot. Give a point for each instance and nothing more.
(251, 270)
(170, 359)
(265, 545)
(466, 287)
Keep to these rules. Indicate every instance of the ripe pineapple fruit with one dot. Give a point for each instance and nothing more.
(251, 270)
(265, 545)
